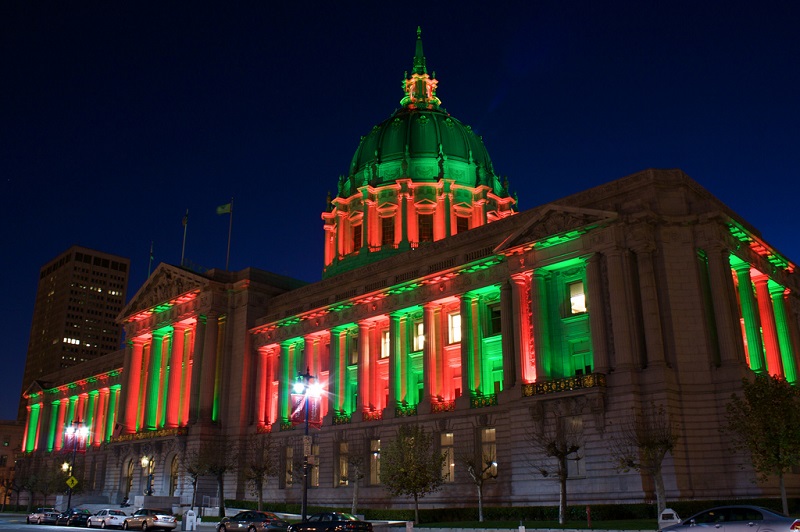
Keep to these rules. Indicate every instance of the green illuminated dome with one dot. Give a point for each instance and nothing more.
(420, 141)
(418, 177)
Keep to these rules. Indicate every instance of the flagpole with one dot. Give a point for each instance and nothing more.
(150, 264)
(185, 225)
(230, 228)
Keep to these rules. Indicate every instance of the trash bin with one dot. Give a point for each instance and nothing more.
(668, 517)
(189, 521)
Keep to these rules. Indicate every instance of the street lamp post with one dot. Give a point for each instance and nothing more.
(306, 386)
(149, 465)
(74, 431)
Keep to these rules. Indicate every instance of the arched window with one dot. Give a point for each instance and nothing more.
(129, 479)
(173, 476)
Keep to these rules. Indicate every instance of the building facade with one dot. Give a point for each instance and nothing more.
(443, 306)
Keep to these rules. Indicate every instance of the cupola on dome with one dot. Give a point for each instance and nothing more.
(419, 176)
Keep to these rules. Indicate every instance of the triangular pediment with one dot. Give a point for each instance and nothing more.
(556, 220)
(35, 388)
(165, 284)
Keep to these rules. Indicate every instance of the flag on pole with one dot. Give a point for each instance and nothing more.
(224, 209)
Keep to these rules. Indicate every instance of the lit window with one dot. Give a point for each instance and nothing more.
(344, 457)
(385, 344)
(353, 348)
(426, 228)
(462, 224)
(375, 462)
(453, 328)
(577, 298)
(449, 464)
(489, 450)
(419, 336)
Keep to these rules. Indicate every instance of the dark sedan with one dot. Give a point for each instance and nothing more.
(331, 522)
(73, 517)
(252, 521)
(737, 519)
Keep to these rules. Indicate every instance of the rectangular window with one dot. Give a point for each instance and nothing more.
(313, 466)
(489, 450)
(449, 464)
(425, 228)
(494, 323)
(385, 343)
(453, 328)
(288, 466)
(375, 462)
(352, 347)
(344, 457)
(577, 298)
(419, 335)
(462, 224)
(356, 237)
(387, 231)
(573, 432)
(4, 460)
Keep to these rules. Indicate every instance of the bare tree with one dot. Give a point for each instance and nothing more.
(479, 472)
(411, 465)
(213, 458)
(558, 440)
(356, 465)
(642, 442)
(260, 463)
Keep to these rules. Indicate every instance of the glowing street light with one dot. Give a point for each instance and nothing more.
(76, 432)
(306, 386)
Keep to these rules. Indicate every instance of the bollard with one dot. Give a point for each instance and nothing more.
(521, 527)
(409, 526)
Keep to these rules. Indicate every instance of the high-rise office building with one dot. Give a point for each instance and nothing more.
(80, 294)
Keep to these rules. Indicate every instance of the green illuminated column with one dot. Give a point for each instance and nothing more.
(154, 384)
(541, 325)
(726, 312)
(51, 435)
(73, 401)
(431, 377)
(59, 431)
(778, 295)
(176, 368)
(111, 418)
(218, 357)
(524, 363)
(752, 326)
(364, 400)
(509, 333)
(469, 325)
(208, 366)
(166, 356)
(288, 372)
(395, 390)
(88, 421)
(199, 344)
(597, 315)
(33, 427)
(769, 332)
(338, 372)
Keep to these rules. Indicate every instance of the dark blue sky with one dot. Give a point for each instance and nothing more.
(118, 116)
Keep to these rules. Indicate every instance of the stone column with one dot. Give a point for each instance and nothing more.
(59, 433)
(208, 369)
(597, 313)
(752, 326)
(469, 367)
(395, 375)
(541, 324)
(113, 401)
(779, 294)
(154, 385)
(431, 376)
(53, 422)
(619, 290)
(364, 385)
(729, 332)
(198, 344)
(768, 330)
(261, 387)
(510, 335)
(176, 369)
(100, 418)
(525, 360)
(651, 315)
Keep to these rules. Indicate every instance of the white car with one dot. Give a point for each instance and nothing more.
(107, 518)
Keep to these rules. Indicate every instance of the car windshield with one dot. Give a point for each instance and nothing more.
(347, 517)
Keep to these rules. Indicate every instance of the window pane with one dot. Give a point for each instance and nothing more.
(453, 328)
(385, 344)
(419, 336)
(426, 228)
(577, 298)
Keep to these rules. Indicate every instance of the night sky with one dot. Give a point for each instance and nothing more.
(119, 116)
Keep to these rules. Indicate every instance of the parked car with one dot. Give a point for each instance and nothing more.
(43, 515)
(252, 521)
(107, 518)
(73, 517)
(330, 522)
(737, 519)
(147, 518)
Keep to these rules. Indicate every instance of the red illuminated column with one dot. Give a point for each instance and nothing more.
(190, 355)
(780, 296)
(133, 370)
(176, 367)
(431, 379)
(524, 362)
(27, 427)
(364, 400)
(768, 329)
(98, 434)
(729, 332)
(91, 416)
(80, 409)
(342, 230)
(478, 212)
(394, 374)
(597, 314)
(470, 367)
(112, 411)
(272, 388)
(371, 225)
(261, 387)
(62, 412)
(330, 238)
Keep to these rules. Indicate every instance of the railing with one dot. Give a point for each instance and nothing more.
(578, 382)
(480, 401)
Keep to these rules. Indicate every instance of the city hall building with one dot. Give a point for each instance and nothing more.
(444, 306)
